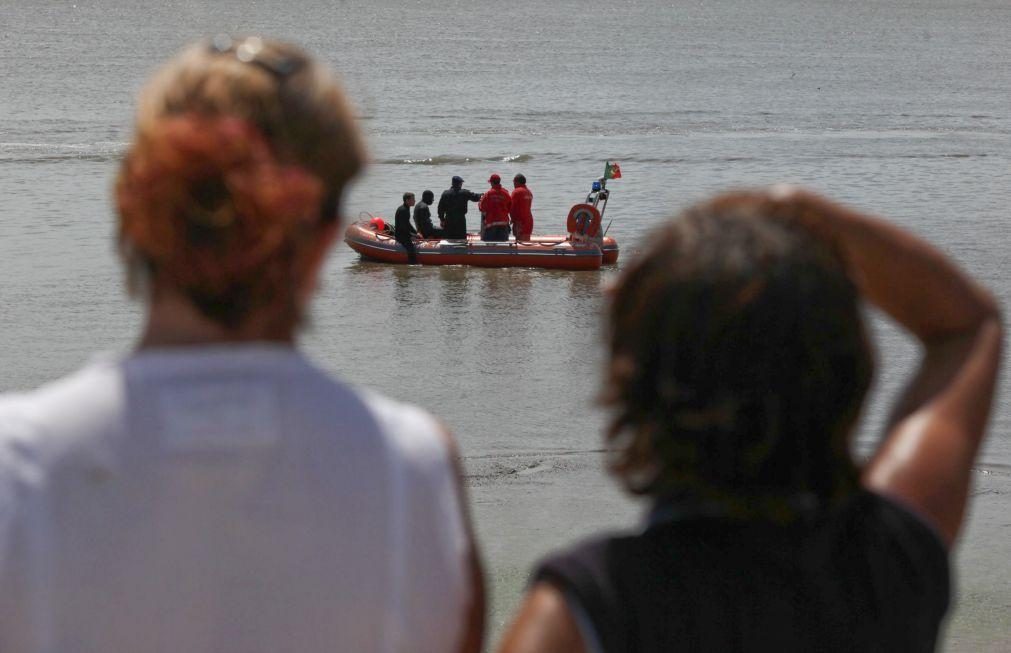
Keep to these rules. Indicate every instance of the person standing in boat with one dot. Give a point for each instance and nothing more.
(453, 208)
(522, 199)
(495, 205)
(403, 231)
(423, 217)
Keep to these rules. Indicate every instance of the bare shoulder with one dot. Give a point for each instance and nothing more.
(544, 623)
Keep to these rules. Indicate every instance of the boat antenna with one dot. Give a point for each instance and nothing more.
(602, 194)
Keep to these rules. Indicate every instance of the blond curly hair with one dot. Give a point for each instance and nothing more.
(242, 149)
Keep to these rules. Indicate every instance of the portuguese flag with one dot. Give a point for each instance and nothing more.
(612, 170)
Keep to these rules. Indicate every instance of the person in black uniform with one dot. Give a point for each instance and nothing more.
(423, 217)
(403, 231)
(453, 208)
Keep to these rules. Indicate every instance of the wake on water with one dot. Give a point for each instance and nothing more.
(446, 159)
(17, 153)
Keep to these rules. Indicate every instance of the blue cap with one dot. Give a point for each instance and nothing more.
(457, 180)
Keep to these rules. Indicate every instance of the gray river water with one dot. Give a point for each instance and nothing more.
(898, 107)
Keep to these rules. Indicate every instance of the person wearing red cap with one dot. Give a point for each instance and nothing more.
(522, 218)
(495, 204)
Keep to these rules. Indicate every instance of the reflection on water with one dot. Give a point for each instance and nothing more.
(367, 272)
(585, 286)
(505, 356)
(454, 298)
(407, 291)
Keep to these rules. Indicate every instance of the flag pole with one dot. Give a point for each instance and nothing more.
(607, 194)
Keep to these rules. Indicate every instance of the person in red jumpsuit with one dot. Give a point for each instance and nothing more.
(495, 205)
(523, 219)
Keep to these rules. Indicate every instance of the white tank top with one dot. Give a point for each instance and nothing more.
(225, 499)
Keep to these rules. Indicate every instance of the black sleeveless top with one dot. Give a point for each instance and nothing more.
(868, 576)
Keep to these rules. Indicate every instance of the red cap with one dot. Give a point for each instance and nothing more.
(495, 179)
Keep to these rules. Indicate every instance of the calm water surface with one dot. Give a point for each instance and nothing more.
(898, 107)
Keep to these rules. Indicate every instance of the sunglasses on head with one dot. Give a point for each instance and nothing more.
(250, 50)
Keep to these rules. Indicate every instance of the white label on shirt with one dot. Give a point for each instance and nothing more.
(219, 414)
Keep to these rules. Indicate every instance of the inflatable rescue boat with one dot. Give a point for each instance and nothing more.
(585, 247)
(553, 252)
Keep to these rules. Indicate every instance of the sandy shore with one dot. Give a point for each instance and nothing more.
(980, 619)
(527, 505)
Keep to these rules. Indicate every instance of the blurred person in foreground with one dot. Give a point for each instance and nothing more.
(213, 490)
(739, 363)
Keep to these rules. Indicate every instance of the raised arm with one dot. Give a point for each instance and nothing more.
(939, 421)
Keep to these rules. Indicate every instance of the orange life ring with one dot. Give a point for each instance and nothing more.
(377, 224)
(584, 219)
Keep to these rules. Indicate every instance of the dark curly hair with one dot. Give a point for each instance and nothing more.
(738, 360)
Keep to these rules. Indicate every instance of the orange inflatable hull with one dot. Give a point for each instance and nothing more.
(550, 252)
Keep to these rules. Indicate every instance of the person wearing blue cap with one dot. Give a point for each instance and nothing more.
(453, 208)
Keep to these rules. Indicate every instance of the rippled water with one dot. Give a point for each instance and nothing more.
(898, 107)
